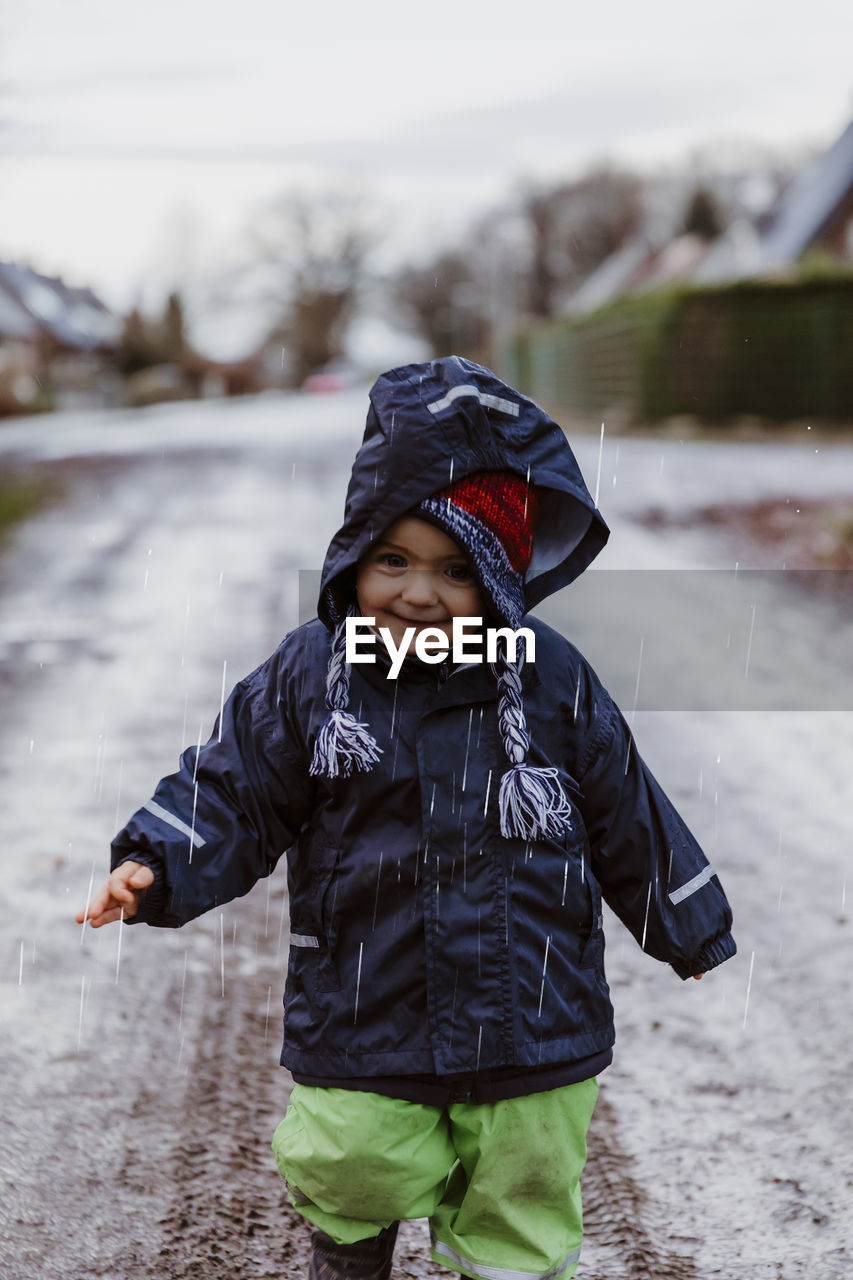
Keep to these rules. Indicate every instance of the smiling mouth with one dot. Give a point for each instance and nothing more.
(418, 622)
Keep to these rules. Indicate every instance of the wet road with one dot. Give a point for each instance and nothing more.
(140, 1067)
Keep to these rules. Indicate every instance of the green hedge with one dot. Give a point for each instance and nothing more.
(780, 351)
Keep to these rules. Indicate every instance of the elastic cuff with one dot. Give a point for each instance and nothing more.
(712, 954)
(152, 901)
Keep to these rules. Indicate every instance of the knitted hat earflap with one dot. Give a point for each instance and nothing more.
(531, 800)
(492, 515)
(344, 745)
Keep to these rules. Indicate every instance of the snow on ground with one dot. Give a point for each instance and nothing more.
(172, 568)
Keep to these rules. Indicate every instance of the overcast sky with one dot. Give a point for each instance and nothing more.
(137, 138)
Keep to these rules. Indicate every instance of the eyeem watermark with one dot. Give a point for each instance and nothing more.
(432, 645)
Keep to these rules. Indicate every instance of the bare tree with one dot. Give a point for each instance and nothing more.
(311, 249)
(574, 226)
(524, 257)
(441, 301)
(137, 348)
(173, 338)
(147, 341)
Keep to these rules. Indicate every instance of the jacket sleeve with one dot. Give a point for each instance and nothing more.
(651, 870)
(234, 806)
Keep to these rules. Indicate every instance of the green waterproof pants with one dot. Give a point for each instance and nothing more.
(499, 1182)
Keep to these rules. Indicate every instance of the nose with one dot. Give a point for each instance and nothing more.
(419, 589)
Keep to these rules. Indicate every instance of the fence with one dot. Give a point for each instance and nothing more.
(775, 350)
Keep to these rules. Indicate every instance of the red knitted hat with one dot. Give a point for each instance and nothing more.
(492, 515)
(506, 504)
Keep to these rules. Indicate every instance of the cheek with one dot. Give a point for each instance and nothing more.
(371, 590)
(469, 604)
(477, 603)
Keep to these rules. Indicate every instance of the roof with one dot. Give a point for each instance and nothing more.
(674, 261)
(15, 320)
(801, 215)
(638, 266)
(733, 255)
(612, 278)
(809, 203)
(74, 317)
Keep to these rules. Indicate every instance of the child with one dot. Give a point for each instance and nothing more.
(450, 833)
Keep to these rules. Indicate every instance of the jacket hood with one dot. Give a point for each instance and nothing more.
(430, 424)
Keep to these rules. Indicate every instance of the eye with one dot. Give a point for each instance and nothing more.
(392, 559)
(459, 572)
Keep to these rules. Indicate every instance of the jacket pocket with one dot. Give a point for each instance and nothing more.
(311, 917)
(592, 947)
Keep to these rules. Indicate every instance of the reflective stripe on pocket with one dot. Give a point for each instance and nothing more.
(304, 940)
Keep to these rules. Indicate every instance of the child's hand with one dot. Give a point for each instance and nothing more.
(120, 893)
(697, 976)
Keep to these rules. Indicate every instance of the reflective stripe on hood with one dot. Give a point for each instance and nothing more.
(430, 424)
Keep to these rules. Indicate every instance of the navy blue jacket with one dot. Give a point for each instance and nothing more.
(422, 940)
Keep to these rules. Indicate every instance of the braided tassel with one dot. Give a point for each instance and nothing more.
(344, 745)
(531, 800)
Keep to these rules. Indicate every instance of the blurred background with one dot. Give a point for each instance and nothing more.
(217, 224)
(633, 212)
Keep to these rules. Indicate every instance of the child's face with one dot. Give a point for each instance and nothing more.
(415, 575)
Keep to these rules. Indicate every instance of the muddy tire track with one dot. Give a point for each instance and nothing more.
(229, 1213)
(226, 1210)
(626, 1233)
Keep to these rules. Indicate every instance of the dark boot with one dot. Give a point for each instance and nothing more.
(365, 1260)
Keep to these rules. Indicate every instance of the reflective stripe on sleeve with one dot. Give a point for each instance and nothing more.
(500, 1273)
(472, 392)
(678, 895)
(304, 940)
(178, 823)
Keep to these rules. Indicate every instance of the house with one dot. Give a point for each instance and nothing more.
(56, 342)
(638, 266)
(19, 354)
(815, 213)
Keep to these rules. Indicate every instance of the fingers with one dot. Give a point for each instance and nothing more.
(142, 877)
(96, 907)
(106, 917)
(119, 896)
(697, 976)
(104, 910)
(120, 885)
